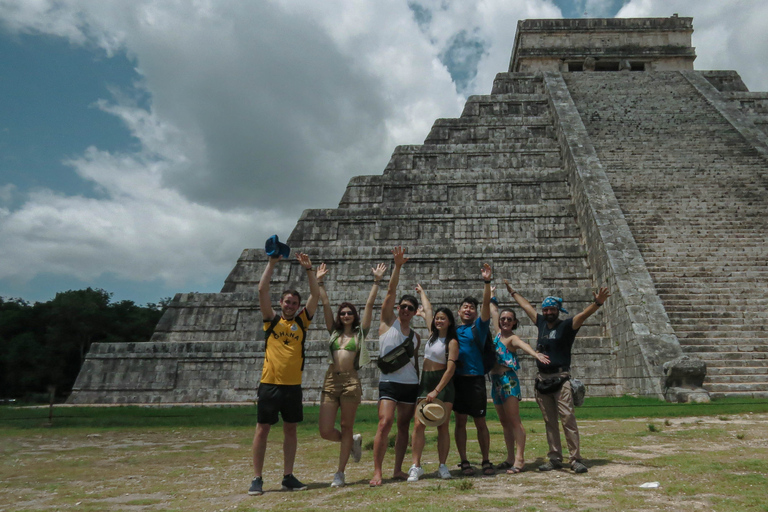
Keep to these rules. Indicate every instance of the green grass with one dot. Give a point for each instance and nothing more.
(245, 415)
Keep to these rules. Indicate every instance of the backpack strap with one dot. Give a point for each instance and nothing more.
(300, 323)
(270, 330)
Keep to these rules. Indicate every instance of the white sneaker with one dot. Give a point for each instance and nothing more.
(415, 473)
(357, 447)
(338, 480)
(444, 472)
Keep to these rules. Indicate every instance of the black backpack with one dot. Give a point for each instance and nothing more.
(488, 350)
(275, 320)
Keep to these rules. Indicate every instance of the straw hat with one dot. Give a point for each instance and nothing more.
(431, 414)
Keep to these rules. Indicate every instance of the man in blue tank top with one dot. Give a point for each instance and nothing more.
(469, 381)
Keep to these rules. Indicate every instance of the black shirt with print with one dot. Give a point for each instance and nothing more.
(555, 343)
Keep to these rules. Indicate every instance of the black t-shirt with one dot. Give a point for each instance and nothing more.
(555, 343)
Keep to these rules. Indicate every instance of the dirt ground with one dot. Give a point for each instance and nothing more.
(707, 463)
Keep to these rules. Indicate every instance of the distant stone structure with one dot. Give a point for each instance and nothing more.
(652, 182)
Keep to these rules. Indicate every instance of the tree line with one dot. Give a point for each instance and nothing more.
(44, 344)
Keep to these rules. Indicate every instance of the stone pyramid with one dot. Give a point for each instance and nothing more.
(601, 157)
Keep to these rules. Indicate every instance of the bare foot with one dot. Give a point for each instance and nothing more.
(400, 475)
(375, 481)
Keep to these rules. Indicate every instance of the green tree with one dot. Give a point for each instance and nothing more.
(46, 343)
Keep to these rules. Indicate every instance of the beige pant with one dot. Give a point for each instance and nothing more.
(554, 405)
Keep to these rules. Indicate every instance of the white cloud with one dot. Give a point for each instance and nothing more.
(261, 109)
(727, 35)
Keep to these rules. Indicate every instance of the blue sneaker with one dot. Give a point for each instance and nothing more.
(291, 483)
(256, 487)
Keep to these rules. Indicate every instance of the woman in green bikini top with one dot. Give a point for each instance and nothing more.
(342, 388)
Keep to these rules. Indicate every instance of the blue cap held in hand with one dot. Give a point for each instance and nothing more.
(275, 248)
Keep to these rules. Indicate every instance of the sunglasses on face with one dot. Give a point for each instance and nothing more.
(407, 307)
(506, 319)
(346, 313)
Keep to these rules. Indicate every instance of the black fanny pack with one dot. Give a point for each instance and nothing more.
(397, 357)
(551, 384)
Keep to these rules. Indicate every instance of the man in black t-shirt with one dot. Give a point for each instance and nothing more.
(555, 340)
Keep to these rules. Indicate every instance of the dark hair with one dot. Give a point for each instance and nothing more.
(507, 310)
(337, 325)
(410, 298)
(470, 300)
(451, 334)
(290, 292)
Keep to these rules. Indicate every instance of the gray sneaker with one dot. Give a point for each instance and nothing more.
(578, 467)
(552, 464)
(291, 483)
(338, 480)
(415, 473)
(256, 487)
(357, 447)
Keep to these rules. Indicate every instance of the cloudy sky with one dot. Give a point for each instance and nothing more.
(144, 144)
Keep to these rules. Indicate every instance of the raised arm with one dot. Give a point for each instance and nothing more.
(314, 289)
(515, 342)
(522, 302)
(427, 312)
(494, 311)
(485, 310)
(387, 307)
(600, 297)
(378, 274)
(327, 310)
(265, 301)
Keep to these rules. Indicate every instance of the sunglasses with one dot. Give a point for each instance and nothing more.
(506, 319)
(407, 307)
(346, 313)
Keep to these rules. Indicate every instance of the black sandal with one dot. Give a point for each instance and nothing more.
(505, 465)
(466, 468)
(488, 468)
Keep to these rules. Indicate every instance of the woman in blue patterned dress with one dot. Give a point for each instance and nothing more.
(505, 389)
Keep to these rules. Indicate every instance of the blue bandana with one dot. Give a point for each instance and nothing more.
(554, 302)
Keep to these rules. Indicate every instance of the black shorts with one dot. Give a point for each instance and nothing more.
(404, 393)
(277, 398)
(471, 397)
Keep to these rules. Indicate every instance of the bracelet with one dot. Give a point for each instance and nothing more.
(513, 292)
(310, 269)
(598, 304)
(486, 282)
(494, 300)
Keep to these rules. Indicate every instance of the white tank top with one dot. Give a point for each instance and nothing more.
(387, 342)
(436, 351)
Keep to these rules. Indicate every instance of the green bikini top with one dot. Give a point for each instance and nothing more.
(356, 344)
(335, 342)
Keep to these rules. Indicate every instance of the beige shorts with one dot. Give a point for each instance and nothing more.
(341, 387)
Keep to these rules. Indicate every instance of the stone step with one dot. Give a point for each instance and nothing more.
(734, 379)
(736, 371)
(737, 394)
(740, 348)
(717, 358)
(754, 387)
(692, 319)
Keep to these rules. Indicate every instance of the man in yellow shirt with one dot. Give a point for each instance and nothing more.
(279, 393)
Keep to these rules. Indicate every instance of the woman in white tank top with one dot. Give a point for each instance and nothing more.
(440, 355)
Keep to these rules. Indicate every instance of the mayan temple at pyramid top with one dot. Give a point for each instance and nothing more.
(601, 158)
(643, 44)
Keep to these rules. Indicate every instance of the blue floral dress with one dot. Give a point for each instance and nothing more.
(507, 384)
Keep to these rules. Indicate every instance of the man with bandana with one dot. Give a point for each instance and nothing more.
(555, 340)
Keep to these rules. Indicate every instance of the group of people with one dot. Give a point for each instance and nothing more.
(457, 356)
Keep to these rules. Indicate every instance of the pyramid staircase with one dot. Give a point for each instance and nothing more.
(694, 192)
